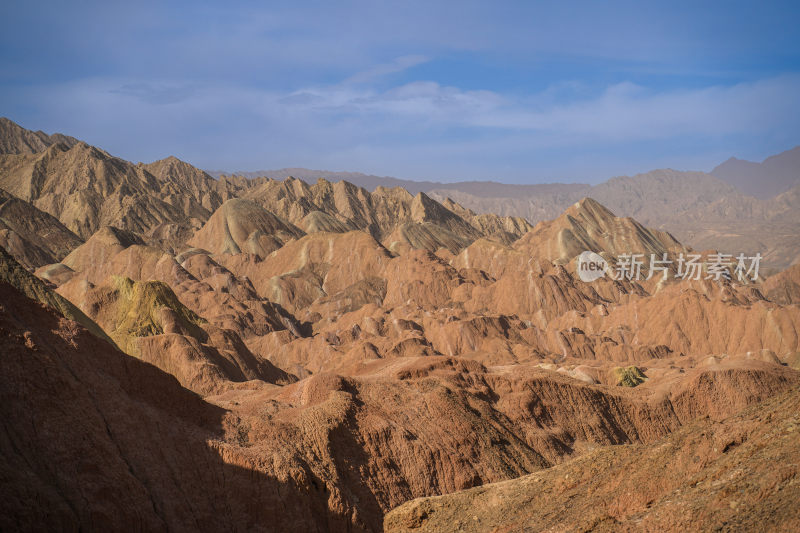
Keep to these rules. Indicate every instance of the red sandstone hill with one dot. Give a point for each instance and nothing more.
(328, 453)
(275, 355)
(735, 474)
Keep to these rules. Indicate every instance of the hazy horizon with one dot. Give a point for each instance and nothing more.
(216, 171)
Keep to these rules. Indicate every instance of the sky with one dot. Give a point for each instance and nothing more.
(517, 92)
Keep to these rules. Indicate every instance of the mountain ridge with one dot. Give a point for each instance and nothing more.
(310, 356)
(774, 175)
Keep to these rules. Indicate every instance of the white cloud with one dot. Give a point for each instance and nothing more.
(621, 112)
(418, 129)
(398, 65)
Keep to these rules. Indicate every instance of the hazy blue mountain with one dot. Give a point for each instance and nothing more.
(774, 175)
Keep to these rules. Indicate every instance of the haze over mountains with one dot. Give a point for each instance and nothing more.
(189, 353)
(775, 175)
(739, 207)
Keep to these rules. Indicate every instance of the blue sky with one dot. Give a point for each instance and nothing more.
(520, 92)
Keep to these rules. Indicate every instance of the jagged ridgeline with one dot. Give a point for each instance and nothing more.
(189, 353)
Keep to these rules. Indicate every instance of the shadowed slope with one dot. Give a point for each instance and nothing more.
(33, 237)
(11, 272)
(93, 439)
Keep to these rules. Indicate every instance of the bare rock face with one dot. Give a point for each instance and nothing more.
(147, 320)
(701, 210)
(14, 139)
(86, 188)
(103, 441)
(311, 267)
(403, 427)
(356, 350)
(587, 225)
(319, 221)
(206, 287)
(393, 216)
(105, 243)
(12, 273)
(424, 236)
(179, 178)
(694, 321)
(240, 226)
(784, 287)
(698, 478)
(32, 236)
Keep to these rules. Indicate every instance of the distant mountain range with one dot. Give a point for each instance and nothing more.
(370, 182)
(86, 188)
(740, 207)
(774, 175)
(68, 190)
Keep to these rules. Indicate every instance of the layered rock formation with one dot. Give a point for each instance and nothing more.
(392, 216)
(240, 226)
(701, 210)
(95, 439)
(738, 473)
(274, 355)
(34, 237)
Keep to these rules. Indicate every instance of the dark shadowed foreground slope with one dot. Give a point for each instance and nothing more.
(93, 439)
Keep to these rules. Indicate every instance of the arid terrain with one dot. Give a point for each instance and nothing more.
(190, 353)
(740, 206)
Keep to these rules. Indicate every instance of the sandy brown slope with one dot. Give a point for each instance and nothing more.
(589, 225)
(389, 215)
(329, 453)
(34, 237)
(241, 226)
(146, 320)
(179, 178)
(738, 474)
(436, 350)
(128, 293)
(585, 225)
(784, 287)
(166, 201)
(86, 188)
(200, 283)
(13, 273)
(14, 139)
(405, 408)
(500, 304)
(701, 210)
